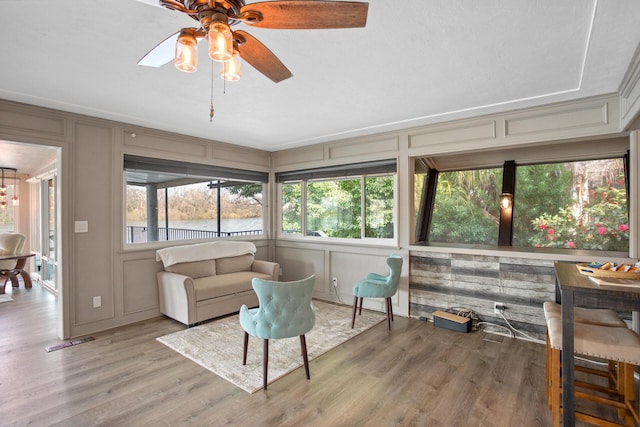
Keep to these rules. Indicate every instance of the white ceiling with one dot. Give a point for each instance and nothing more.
(26, 158)
(415, 63)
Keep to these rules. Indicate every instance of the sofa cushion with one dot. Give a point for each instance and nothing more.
(195, 269)
(234, 264)
(225, 284)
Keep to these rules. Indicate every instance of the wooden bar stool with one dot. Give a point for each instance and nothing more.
(588, 316)
(620, 345)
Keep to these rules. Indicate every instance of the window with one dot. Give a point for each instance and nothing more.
(577, 204)
(291, 207)
(465, 208)
(379, 197)
(419, 193)
(8, 210)
(353, 202)
(167, 200)
(333, 208)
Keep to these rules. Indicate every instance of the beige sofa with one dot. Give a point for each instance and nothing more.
(208, 280)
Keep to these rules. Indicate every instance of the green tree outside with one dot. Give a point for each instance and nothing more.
(466, 208)
(602, 223)
(542, 190)
(292, 207)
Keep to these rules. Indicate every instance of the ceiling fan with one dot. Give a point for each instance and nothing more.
(216, 17)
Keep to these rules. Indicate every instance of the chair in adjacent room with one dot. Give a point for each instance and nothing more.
(10, 243)
(378, 286)
(285, 310)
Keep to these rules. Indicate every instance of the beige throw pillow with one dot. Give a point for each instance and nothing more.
(234, 264)
(195, 269)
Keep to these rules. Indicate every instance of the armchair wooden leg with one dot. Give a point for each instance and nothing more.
(6, 279)
(303, 346)
(360, 312)
(388, 304)
(244, 348)
(265, 363)
(355, 307)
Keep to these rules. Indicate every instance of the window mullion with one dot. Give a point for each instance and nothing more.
(303, 207)
(505, 229)
(363, 207)
(426, 205)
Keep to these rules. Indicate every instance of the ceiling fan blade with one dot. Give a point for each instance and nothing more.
(151, 2)
(260, 57)
(308, 14)
(162, 53)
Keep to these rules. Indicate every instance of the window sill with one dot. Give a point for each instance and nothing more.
(371, 242)
(520, 252)
(155, 245)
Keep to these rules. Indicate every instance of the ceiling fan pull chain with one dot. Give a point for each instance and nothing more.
(211, 110)
(224, 82)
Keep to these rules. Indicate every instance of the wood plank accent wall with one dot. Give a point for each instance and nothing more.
(446, 281)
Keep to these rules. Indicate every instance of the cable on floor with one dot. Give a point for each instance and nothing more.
(528, 337)
(511, 334)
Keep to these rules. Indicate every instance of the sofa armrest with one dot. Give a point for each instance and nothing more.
(167, 278)
(177, 296)
(266, 267)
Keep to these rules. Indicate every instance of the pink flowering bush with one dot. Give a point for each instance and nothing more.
(601, 224)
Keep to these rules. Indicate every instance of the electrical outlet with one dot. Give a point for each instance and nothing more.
(97, 302)
(498, 307)
(334, 281)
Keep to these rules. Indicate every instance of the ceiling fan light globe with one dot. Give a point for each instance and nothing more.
(186, 58)
(231, 71)
(220, 42)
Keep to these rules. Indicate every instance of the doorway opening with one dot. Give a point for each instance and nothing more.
(37, 216)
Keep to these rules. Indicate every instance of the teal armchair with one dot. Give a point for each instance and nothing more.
(378, 286)
(285, 310)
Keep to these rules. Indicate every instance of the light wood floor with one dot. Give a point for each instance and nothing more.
(416, 375)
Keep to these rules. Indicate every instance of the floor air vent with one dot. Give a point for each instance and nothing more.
(68, 344)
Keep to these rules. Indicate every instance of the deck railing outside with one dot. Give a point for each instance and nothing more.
(138, 234)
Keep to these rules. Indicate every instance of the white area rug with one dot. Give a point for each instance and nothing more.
(5, 298)
(217, 345)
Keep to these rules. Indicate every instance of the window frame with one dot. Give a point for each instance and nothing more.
(362, 171)
(424, 213)
(182, 173)
(12, 211)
